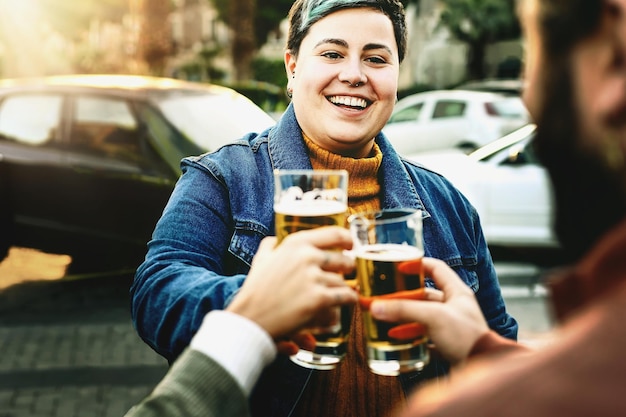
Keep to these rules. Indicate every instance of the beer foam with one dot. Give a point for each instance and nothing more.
(389, 252)
(310, 207)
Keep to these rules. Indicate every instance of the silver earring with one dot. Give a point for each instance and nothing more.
(290, 92)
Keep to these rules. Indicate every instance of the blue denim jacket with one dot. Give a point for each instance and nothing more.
(221, 208)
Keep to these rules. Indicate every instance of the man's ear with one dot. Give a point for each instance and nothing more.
(617, 9)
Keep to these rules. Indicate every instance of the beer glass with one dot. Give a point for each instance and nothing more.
(389, 250)
(306, 199)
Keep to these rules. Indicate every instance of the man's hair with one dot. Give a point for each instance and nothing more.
(562, 24)
(581, 180)
(304, 13)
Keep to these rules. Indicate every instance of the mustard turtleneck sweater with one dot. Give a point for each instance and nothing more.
(351, 390)
(363, 186)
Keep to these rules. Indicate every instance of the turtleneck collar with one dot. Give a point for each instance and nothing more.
(363, 184)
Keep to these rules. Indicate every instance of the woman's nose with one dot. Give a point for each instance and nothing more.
(353, 74)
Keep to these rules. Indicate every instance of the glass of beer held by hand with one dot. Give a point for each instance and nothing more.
(388, 248)
(306, 199)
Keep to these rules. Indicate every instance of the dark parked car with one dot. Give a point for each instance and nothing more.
(87, 163)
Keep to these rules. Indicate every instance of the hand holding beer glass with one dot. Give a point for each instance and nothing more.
(307, 199)
(389, 250)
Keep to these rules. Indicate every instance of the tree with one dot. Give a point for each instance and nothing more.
(247, 39)
(243, 44)
(155, 43)
(479, 23)
(250, 21)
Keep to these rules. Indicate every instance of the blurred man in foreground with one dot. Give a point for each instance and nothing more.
(576, 73)
(576, 69)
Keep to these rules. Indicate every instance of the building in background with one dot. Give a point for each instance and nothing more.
(198, 45)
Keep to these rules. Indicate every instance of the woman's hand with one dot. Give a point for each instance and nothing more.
(295, 284)
(453, 317)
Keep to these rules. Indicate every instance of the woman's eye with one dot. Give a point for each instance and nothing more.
(377, 60)
(331, 55)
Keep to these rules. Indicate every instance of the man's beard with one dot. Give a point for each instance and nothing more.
(589, 196)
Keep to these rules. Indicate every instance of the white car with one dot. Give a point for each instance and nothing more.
(511, 191)
(445, 119)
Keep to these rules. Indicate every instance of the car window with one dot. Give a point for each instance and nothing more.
(449, 108)
(525, 153)
(212, 120)
(518, 153)
(105, 126)
(513, 108)
(17, 122)
(407, 114)
(167, 141)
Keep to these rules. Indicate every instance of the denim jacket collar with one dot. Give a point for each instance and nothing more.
(287, 150)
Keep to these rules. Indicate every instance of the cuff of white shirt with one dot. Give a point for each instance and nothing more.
(240, 345)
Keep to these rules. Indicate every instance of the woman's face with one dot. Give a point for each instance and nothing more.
(345, 80)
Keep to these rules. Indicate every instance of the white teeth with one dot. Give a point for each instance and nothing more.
(348, 101)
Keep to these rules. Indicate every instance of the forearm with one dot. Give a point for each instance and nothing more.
(168, 305)
(491, 343)
(196, 385)
(185, 274)
(242, 347)
(216, 374)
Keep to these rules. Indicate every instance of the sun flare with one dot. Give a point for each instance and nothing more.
(27, 40)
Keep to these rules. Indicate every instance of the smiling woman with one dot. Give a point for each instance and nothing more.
(342, 65)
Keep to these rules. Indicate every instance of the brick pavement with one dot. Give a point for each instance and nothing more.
(67, 370)
(69, 349)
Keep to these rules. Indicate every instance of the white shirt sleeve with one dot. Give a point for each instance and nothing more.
(240, 345)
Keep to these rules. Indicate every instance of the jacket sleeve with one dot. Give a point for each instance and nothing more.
(489, 293)
(196, 385)
(184, 273)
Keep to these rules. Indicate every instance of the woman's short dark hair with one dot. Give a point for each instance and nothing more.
(304, 13)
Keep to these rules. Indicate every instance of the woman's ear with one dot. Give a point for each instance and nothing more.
(290, 64)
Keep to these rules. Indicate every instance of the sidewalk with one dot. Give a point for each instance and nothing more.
(74, 370)
(69, 349)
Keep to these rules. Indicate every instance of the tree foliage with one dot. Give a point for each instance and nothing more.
(155, 38)
(268, 15)
(481, 20)
(479, 23)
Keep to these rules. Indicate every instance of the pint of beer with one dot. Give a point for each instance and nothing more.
(306, 199)
(389, 252)
(294, 216)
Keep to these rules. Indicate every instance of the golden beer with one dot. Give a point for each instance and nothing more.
(294, 216)
(308, 199)
(392, 271)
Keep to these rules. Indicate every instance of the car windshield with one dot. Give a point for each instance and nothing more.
(212, 120)
(489, 150)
